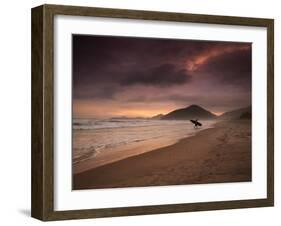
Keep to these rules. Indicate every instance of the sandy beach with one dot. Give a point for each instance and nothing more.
(214, 155)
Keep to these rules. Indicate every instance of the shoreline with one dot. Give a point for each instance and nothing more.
(126, 151)
(212, 155)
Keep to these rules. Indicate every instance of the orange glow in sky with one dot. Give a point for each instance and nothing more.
(107, 109)
(198, 60)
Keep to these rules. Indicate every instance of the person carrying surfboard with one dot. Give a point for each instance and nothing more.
(196, 123)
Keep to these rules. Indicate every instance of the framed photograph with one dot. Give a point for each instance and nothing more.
(141, 112)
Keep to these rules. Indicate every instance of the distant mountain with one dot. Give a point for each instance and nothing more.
(241, 113)
(159, 116)
(190, 112)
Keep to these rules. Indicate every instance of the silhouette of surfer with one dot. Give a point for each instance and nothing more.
(196, 123)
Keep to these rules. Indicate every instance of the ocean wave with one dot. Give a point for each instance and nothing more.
(102, 135)
(81, 124)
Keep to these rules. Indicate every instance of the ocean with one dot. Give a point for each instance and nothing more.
(114, 139)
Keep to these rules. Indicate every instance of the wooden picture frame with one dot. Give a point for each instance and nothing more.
(43, 108)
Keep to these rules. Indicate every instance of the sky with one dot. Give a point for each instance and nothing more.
(143, 77)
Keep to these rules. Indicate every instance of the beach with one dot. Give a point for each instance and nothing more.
(213, 155)
(100, 142)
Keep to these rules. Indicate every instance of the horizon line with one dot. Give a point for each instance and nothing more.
(149, 117)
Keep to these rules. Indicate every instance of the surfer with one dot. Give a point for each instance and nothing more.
(196, 123)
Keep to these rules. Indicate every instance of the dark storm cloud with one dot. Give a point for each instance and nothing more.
(105, 91)
(231, 68)
(95, 56)
(163, 75)
(122, 61)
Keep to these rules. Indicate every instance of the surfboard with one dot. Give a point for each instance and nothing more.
(196, 123)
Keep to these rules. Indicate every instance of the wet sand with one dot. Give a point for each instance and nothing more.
(215, 155)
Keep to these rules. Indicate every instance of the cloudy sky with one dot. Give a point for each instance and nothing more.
(127, 76)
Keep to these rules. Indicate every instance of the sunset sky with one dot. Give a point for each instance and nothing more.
(142, 77)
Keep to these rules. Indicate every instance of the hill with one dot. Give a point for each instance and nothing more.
(159, 116)
(190, 112)
(237, 114)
